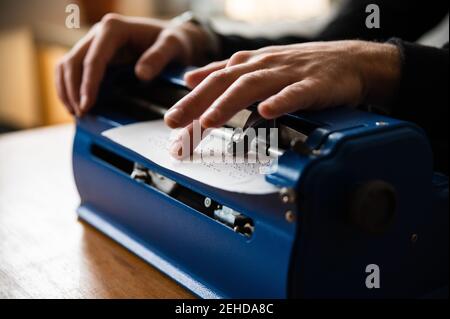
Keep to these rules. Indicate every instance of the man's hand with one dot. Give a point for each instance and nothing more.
(290, 78)
(80, 72)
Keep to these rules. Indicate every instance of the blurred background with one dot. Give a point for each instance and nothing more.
(33, 36)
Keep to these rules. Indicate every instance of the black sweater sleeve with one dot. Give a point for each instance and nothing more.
(423, 94)
(405, 19)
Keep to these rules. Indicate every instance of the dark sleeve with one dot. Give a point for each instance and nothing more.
(406, 19)
(423, 95)
(230, 44)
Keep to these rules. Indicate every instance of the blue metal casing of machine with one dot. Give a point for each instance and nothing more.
(310, 240)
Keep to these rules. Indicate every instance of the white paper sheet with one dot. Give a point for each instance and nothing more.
(152, 140)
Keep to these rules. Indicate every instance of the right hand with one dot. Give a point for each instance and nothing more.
(80, 72)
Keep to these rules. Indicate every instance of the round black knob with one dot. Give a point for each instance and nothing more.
(373, 206)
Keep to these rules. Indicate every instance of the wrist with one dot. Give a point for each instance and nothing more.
(202, 48)
(381, 72)
(204, 42)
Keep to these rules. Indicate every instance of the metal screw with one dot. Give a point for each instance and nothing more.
(290, 216)
(207, 202)
(287, 195)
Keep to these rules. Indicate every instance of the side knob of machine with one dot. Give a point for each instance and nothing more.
(372, 206)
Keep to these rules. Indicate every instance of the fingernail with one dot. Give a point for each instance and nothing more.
(265, 110)
(76, 110)
(144, 71)
(83, 102)
(176, 150)
(189, 80)
(173, 115)
(211, 116)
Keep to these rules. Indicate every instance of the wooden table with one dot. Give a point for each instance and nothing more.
(45, 252)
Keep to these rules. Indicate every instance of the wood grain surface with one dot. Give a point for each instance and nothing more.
(45, 252)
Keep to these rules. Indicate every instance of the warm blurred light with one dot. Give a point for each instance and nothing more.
(270, 10)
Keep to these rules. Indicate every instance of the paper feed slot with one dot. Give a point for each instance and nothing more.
(204, 205)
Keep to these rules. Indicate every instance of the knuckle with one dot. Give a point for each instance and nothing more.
(170, 37)
(59, 66)
(312, 84)
(66, 78)
(68, 65)
(67, 70)
(218, 76)
(90, 62)
(239, 57)
(111, 20)
(66, 62)
(249, 79)
(268, 58)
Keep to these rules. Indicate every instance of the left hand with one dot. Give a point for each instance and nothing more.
(310, 76)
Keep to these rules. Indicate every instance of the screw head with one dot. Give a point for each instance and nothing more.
(414, 238)
(207, 202)
(287, 195)
(290, 216)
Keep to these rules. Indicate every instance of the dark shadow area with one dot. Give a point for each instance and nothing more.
(6, 128)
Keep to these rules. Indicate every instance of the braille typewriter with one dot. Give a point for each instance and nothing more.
(358, 211)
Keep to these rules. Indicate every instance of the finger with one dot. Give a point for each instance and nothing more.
(69, 72)
(240, 57)
(81, 47)
(187, 140)
(198, 100)
(247, 90)
(165, 49)
(109, 38)
(298, 96)
(72, 80)
(195, 77)
(61, 89)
